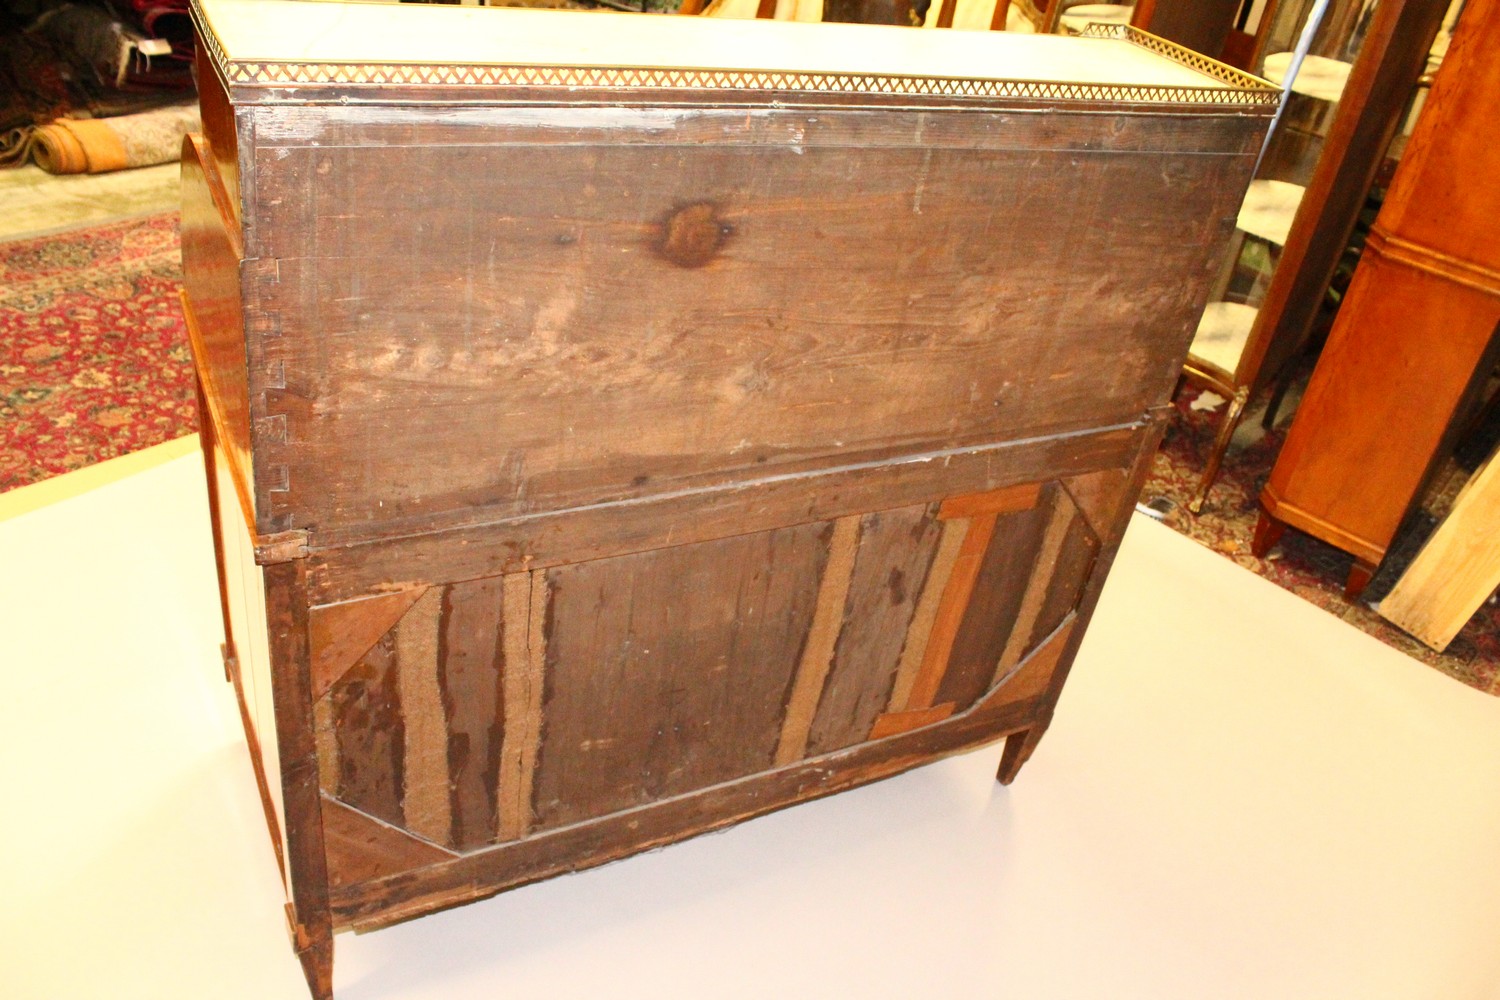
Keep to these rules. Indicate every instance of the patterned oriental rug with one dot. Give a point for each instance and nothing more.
(94, 363)
(1307, 567)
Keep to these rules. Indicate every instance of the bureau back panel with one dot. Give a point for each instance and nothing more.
(494, 311)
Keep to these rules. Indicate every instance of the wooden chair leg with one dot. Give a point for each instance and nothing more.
(1221, 444)
(1268, 532)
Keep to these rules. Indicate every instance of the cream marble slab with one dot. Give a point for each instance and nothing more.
(1269, 209)
(1222, 333)
(364, 33)
(1076, 18)
(1241, 798)
(1318, 77)
(976, 15)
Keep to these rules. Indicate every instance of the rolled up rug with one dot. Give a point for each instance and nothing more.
(98, 145)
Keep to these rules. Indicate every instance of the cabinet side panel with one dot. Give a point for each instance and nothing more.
(247, 615)
(217, 116)
(216, 319)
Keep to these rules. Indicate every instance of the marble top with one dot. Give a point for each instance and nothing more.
(1269, 208)
(1108, 13)
(1222, 334)
(1318, 77)
(258, 33)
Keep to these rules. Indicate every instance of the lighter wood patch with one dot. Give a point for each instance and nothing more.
(917, 636)
(328, 745)
(426, 802)
(893, 723)
(342, 633)
(522, 683)
(1007, 500)
(817, 655)
(1037, 586)
(950, 612)
(1456, 570)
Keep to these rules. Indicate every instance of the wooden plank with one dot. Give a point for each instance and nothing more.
(369, 738)
(995, 604)
(1075, 565)
(931, 359)
(1002, 501)
(1457, 569)
(427, 805)
(894, 723)
(1098, 496)
(1032, 676)
(361, 847)
(342, 633)
(525, 658)
(896, 549)
(950, 612)
(621, 527)
(471, 663)
(1059, 523)
(475, 876)
(668, 671)
(829, 615)
(914, 648)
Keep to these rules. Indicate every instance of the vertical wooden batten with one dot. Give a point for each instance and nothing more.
(817, 654)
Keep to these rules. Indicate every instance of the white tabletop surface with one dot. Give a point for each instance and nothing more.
(1241, 798)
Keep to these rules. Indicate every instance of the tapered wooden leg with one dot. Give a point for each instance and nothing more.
(1268, 532)
(1018, 749)
(1360, 575)
(317, 966)
(1221, 444)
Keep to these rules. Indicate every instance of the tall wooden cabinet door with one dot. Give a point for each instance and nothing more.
(456, 718)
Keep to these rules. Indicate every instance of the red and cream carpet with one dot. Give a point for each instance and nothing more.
(94, 363)
(93, 349)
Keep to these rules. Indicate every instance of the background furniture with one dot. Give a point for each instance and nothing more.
(1240, 352)
(739, 440)
(1415, 338)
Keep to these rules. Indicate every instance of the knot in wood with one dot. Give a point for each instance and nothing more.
(693, 234)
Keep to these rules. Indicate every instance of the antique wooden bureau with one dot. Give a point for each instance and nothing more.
(621, 426)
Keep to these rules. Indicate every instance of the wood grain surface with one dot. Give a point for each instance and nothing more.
(949, 325)
(669, 671)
